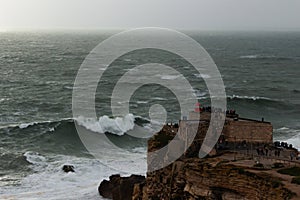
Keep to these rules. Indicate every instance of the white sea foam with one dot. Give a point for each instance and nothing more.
(142, 102)
(117, 126)
(159, 98)
(295, 141)
(170, 77)
(140, 150)
(34, 158)
(49, 181)
(4, 99)
(247, 97)
(51, 82)
(68, 87)
(26, 125)
(249, 56)
(283, 128)
(256, 56)
(289, 135)
(199, 93)
(286, 131)
(202, 75)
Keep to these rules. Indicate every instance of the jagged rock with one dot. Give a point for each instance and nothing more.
(139, 191)
(68, 168)
(119, 188)
(199, 179)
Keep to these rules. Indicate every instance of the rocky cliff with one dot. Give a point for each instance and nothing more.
(195, 178)
(219, 177)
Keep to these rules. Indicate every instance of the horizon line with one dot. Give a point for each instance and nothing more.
(42, 29)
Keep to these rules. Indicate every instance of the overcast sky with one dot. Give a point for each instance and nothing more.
(178, 14)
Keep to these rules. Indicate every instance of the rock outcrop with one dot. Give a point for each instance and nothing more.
(196, 178)
(68, 168)
(120, 188)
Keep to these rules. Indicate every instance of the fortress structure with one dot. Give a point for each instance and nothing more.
(241, 164)
(240, 135)
(236, 134)
(236, 130)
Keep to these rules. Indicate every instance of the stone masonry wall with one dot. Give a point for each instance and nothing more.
(249, 131)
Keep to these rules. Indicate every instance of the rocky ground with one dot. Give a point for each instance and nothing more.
(219, 177)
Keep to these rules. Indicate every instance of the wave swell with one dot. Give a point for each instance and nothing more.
(265, 57)
(118, 126)
(254, 98)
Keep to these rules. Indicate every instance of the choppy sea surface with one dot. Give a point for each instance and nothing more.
(260, 71)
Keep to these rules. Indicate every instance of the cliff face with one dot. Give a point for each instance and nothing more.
(189, 177)
(194, 178)
(210, 178)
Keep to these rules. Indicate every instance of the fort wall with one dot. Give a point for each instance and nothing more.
(249, 131)
(233, 131)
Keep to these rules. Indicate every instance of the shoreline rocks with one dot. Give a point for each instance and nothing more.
(68, 168)
(120, 188)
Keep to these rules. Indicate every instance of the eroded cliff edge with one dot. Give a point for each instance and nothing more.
(211, 178)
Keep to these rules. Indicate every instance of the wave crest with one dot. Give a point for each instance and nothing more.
(26, 125)
(254, 98)
(34, 158)
(118, 126)
(266, 57)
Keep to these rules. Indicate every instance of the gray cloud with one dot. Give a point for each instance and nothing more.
(180, 14)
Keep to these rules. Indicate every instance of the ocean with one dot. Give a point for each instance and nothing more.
(260, 71)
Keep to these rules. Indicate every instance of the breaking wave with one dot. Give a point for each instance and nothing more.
(289, 135)
(295, 140)
(118, 126)
(105, 124)
(34, 157)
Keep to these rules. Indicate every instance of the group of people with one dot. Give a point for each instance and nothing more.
(283, 144)
(265, 151)
(277, 153)
(205, 109)
(262, 151)
(199, 108)
(230, 112)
